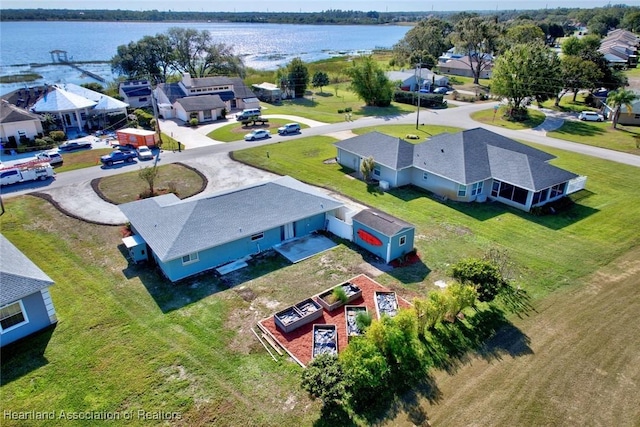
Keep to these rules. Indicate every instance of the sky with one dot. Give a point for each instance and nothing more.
(308, 6)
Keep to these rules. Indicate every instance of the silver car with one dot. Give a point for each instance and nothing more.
(590, 116)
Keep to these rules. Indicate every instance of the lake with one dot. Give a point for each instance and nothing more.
(26, 45)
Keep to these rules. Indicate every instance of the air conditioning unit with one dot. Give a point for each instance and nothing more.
(384, 185)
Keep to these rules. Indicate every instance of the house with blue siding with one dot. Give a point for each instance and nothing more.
(191, 236)
(25, 302)
(467, 166)
(383, 235)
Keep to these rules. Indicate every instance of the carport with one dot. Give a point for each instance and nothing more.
(299, 249)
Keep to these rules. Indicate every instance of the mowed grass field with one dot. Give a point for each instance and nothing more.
(578, 364)
(128, 341)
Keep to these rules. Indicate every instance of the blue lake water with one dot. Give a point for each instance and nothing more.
(263, 46)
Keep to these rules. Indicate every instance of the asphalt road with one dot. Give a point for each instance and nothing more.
(457, 117)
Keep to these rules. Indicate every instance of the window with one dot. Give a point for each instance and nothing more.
(12, 316)
(257, 237)
(188, 259)
(403, 240)
(376, 171)
(462, 191)
(142, 99)
(425, 176)
(477, 188)
(557, 190)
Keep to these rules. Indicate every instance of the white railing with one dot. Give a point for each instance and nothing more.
(576, 184)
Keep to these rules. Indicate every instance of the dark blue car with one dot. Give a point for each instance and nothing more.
(118, 156)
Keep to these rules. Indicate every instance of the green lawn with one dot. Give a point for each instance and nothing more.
(127, 187)
(567, 104)
(497, 118)
(235, 131)
(323, 106)
(82, 159)
(624, 138)
(550, 251)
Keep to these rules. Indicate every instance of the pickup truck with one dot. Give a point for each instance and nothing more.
(30, 171)
(118, 156)
(54, 158)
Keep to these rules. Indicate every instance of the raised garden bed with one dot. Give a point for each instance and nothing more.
(386, 303)
(350, 315)
(329, 302)
(325, 340)
(297, 315)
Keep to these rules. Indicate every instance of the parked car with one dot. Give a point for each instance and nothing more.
(289, 128)
(144, 153)
(73, 145)
(53, 157)
(257, 134)
(441, 90)
(590, 116)
(118, 156)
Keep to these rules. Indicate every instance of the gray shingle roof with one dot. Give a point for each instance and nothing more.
(465, 157)
(19, 276)
(389, 151)
(240, 89)
(201, 102)
(10, 113)
(477, 154)
(174, 228)
(382, 222)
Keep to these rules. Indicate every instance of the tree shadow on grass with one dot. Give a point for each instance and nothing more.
(487, 334)
(579, 129)
(25, 355)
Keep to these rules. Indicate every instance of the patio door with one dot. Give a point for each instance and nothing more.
(289, 231)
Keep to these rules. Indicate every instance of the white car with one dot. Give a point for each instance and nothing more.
(257, 134)
(590, 116)
(144, 153)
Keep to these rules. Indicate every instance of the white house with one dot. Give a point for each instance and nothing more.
(17, 123)
(231, 91)
(412, 80)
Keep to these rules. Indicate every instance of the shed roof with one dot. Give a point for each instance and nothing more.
(382, 222)
(174, 228)
(19, 276)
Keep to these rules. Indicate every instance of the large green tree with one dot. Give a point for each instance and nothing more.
(526, 70)
(320, 79)
(370, 83)
(616, 100)
(150, 57)
(298, 75)
(476, 37)
(577, 73)
(525, 32)
(196, 53)
(423, 43)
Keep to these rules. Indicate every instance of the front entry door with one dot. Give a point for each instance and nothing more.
(289, 231)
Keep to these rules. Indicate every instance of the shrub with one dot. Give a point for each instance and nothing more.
(143, 117)
(57, 135)
(427, 100)
(484, 275)
(340, 295)
(323, 379)
(193, 122)
(41, 142)
(340, 111)
(363, 320)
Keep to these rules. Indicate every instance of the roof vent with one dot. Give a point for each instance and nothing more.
(442, 150)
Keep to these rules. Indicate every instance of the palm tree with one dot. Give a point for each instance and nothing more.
(617, 99)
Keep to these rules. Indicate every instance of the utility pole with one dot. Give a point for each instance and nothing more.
(418, 67)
